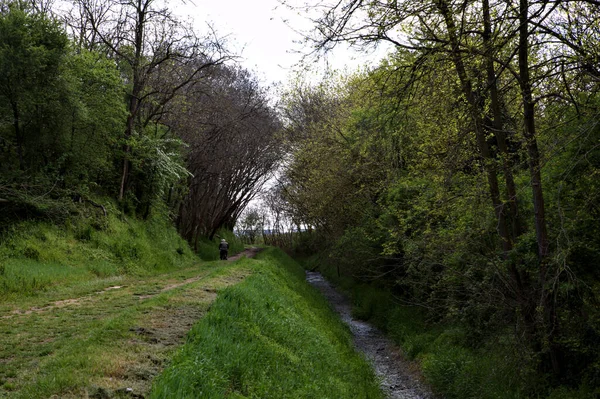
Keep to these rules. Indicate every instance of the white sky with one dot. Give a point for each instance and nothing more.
(256, 30)
(264, 33)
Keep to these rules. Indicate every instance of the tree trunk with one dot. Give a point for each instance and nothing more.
(498, 130)
(18, 134)
(134, 99)
(545, 306)
(530, 137)
(479, 126)
(498, 125)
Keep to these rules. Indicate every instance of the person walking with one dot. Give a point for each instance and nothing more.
(223, 249)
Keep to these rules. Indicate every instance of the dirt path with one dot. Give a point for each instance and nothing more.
(398, 378)
(249, 253)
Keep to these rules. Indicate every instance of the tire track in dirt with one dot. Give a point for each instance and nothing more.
(249, 253)
(150, 335)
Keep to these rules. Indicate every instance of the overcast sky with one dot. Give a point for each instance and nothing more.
(262, 32)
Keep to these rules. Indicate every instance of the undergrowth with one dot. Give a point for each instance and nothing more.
(36, 256)
(271, 336)
(454, 366)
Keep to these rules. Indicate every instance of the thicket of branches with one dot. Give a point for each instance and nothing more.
(234, 141)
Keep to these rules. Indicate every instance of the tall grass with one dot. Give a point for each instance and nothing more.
(35, 256)
(271, 336)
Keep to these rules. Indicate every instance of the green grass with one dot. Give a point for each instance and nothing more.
(107, 341)
(72, 297)
(272, 336)
(97, 306)
(39, 257)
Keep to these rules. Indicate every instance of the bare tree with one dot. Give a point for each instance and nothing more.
(234, 138)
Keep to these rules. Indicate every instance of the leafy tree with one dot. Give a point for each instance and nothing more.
(61, 111)
(157, 55)
(32, 51)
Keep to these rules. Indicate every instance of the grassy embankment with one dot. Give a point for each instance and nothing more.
(451, 363)
(100, 311)
(99, 305)
(271, 336)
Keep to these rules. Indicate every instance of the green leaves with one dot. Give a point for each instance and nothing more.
(160, 159)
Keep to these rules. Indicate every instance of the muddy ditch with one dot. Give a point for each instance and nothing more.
(398, 377)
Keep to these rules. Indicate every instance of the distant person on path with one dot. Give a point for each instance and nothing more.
(223, 249)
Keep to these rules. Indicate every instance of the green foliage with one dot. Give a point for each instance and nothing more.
(65, 106)
(250, 225)
(448, 362)
(270, 336)
(157, 164)
(60, 115)
(387, 167)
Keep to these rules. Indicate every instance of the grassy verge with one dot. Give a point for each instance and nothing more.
(451, 363)
(42, 259)
(270, 336)
(39, 257)
(97, 305)
(109, 343)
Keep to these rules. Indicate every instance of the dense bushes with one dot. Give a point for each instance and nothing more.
(453, 362)
(408, 184)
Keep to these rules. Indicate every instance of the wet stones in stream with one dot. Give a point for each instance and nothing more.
(398, 379)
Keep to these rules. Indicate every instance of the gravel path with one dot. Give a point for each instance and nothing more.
(398, 379)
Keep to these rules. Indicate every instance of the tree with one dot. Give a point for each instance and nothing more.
(511, 63)
(251, 224)
(32, 50)
(158, 55)
(60, 111)
(234, 147)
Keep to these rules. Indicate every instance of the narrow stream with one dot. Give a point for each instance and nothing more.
(397, 379)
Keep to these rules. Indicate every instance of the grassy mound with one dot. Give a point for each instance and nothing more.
(271, 336)
(37, 256)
